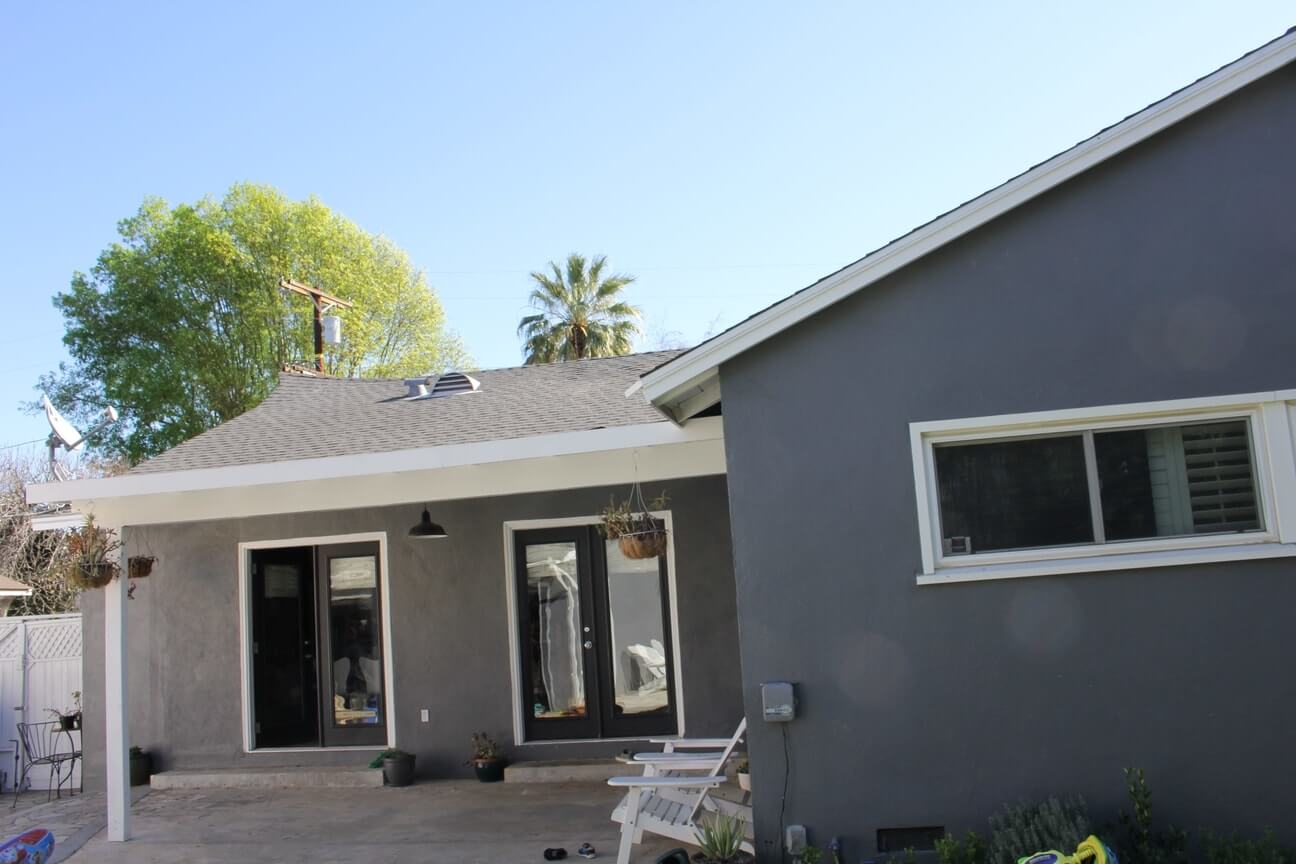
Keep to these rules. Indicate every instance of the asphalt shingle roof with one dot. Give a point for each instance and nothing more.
(308, 417)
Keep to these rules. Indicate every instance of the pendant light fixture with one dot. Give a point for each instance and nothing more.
(426, 529)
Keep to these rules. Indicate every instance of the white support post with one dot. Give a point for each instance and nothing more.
(116, 720)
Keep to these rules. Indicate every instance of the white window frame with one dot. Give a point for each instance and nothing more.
(245, 636)
(515, 649)
(1270, 420)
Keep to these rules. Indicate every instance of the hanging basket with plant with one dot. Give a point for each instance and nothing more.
(139, 566)
(93, 559)
(631, 523)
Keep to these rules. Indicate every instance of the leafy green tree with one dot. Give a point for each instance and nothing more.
(182, 324)
(578, 313)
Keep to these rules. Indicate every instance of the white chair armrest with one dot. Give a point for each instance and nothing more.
(693, 743)
(690, 756)
(667, 782)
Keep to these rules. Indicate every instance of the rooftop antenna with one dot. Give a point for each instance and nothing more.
(64, 434)
(327, 329)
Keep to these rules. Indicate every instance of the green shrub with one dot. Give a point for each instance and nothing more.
(810, 855)
(721, 837)
(1144, 844)
(1235, 849)
(1024, 829)
(969, 850)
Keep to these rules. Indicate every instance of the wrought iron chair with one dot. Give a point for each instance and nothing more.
(42, 744)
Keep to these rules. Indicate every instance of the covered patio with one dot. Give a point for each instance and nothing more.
(459, 821)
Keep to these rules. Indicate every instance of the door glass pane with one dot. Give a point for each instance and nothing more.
(1177, 480)
(1013, 494)
(553, 631)
(638, 633)
(355, 641)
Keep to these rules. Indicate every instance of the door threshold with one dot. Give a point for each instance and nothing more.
(370, 747)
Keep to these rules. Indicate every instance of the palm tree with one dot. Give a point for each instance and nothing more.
(578, 313)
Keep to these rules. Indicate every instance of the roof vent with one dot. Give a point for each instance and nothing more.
(449, 384)
(418, 387)
(453, 383)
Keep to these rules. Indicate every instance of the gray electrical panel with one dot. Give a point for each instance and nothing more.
(778, 701)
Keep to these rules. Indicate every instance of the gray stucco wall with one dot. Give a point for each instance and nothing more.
(1168, 272)
(449, 628)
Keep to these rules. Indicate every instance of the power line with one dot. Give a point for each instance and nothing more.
(20, 444)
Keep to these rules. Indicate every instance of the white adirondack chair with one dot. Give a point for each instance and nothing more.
(674, 792)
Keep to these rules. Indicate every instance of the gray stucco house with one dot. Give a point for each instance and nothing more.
(1012, 502)
(1013, 498)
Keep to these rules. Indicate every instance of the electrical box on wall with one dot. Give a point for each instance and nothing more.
(778, 701)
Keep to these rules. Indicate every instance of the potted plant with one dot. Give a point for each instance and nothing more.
(487, 760)
(69, 719)
(92, 563)
(397, 766)
(631, 523)
(141, 766)
(139, 566)
(720, 838)
(744, 775)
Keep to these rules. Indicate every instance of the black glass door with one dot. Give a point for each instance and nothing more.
(352, 704)
(594, 637)
(284, 668)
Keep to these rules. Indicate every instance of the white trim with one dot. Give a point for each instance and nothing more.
(1269, 420)
(245, 633)
(364, 464)
(693, 369)
(515, 658)
(1136, 561)
(60, 521)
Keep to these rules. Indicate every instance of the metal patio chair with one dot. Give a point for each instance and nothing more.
(47, 744)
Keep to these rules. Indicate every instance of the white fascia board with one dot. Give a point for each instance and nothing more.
(56, 521)
(698, 366)
(366, 464)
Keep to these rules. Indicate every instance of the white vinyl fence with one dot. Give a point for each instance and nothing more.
(40, 669)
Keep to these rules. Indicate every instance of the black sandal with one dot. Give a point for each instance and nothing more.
(555, 854)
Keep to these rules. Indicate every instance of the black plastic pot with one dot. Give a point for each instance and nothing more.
(399, 770)
(141, 768)
(70, 722)
(489, 770)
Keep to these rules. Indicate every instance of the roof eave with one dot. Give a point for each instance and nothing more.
(696, 369)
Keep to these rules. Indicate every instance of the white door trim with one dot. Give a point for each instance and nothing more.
(245, 632)
(515, 658)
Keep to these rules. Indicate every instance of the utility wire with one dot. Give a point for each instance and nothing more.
(20, 444)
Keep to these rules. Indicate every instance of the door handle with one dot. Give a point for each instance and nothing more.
(588, 644)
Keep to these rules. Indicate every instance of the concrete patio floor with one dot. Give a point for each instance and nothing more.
(452, 821)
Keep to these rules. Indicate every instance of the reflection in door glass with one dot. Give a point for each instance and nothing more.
(353, 636)
(638, 633)
(553, 630)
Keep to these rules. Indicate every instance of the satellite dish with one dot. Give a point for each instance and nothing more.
(62, 432)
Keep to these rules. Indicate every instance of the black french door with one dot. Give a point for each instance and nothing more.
(594, 637)
(317, 659)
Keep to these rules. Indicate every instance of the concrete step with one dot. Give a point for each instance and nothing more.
(567, 771)
(268, 778)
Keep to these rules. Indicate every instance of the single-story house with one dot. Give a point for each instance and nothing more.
(1011, 501)
(361, 564)
(1013, 498)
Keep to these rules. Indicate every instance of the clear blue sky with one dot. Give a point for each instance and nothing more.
(725, 153)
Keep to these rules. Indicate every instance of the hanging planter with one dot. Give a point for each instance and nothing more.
(638, 533)
(93, 561)
(139, 566)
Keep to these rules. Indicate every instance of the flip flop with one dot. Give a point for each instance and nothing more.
(586, 851)
(555, 854)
